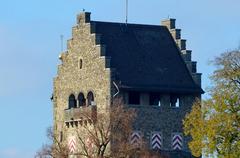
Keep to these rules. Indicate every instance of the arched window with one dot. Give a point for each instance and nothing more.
(72, 102)
(81, 100)
(90, 98)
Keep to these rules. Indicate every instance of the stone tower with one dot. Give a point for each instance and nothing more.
(148, 63)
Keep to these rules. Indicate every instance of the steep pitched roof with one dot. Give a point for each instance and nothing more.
(146, 57)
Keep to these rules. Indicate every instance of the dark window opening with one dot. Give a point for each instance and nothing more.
(155, 99)
(71, 123)
(67, 124)
(72, 102)
(85, 122)
(194, 67)
(81, 100)
(76, 123)
(90, 98)
(61, 136)
(80, 64)
(134, 98)
(174, 101)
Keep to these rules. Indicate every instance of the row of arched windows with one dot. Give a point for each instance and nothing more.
(80, 101)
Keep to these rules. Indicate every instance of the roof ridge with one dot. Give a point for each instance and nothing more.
(132, 24)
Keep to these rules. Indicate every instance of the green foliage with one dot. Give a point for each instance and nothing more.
(214, 124)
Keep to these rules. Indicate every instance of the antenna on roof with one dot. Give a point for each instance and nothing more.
(61, 37)
(126, 11)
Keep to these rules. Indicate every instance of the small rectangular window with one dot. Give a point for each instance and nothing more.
(134, 98)
(175, 101)
(155, 99)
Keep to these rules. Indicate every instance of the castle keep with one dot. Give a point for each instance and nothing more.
(147, 65)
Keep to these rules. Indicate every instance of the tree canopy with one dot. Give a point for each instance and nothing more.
(214, 123)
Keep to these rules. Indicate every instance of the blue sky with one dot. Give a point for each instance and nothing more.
(30, 44)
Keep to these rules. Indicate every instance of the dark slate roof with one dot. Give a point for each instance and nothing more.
(146, 57)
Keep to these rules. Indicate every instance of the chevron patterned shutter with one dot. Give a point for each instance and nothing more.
(135, 138)
(71, 144)
(177, 142)
(156, 141)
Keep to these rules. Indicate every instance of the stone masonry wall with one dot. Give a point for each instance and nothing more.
(71, 79)
(84, 68)
(164, 119)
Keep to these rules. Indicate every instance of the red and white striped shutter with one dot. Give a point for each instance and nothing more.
(71, 144)
(156, 141)
(135, 138)
(177, 142)
(89, 145)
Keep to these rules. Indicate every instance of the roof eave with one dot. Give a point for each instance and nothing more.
(195, 90)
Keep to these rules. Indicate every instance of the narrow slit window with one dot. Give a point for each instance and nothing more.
(61, 136)
(80, 63)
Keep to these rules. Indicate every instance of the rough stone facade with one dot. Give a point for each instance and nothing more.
(86, 68)
(83, 70)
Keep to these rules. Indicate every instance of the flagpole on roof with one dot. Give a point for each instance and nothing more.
(126, 11)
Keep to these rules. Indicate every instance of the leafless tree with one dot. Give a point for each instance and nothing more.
(55, 149)
(106, 135)
(113, 124)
